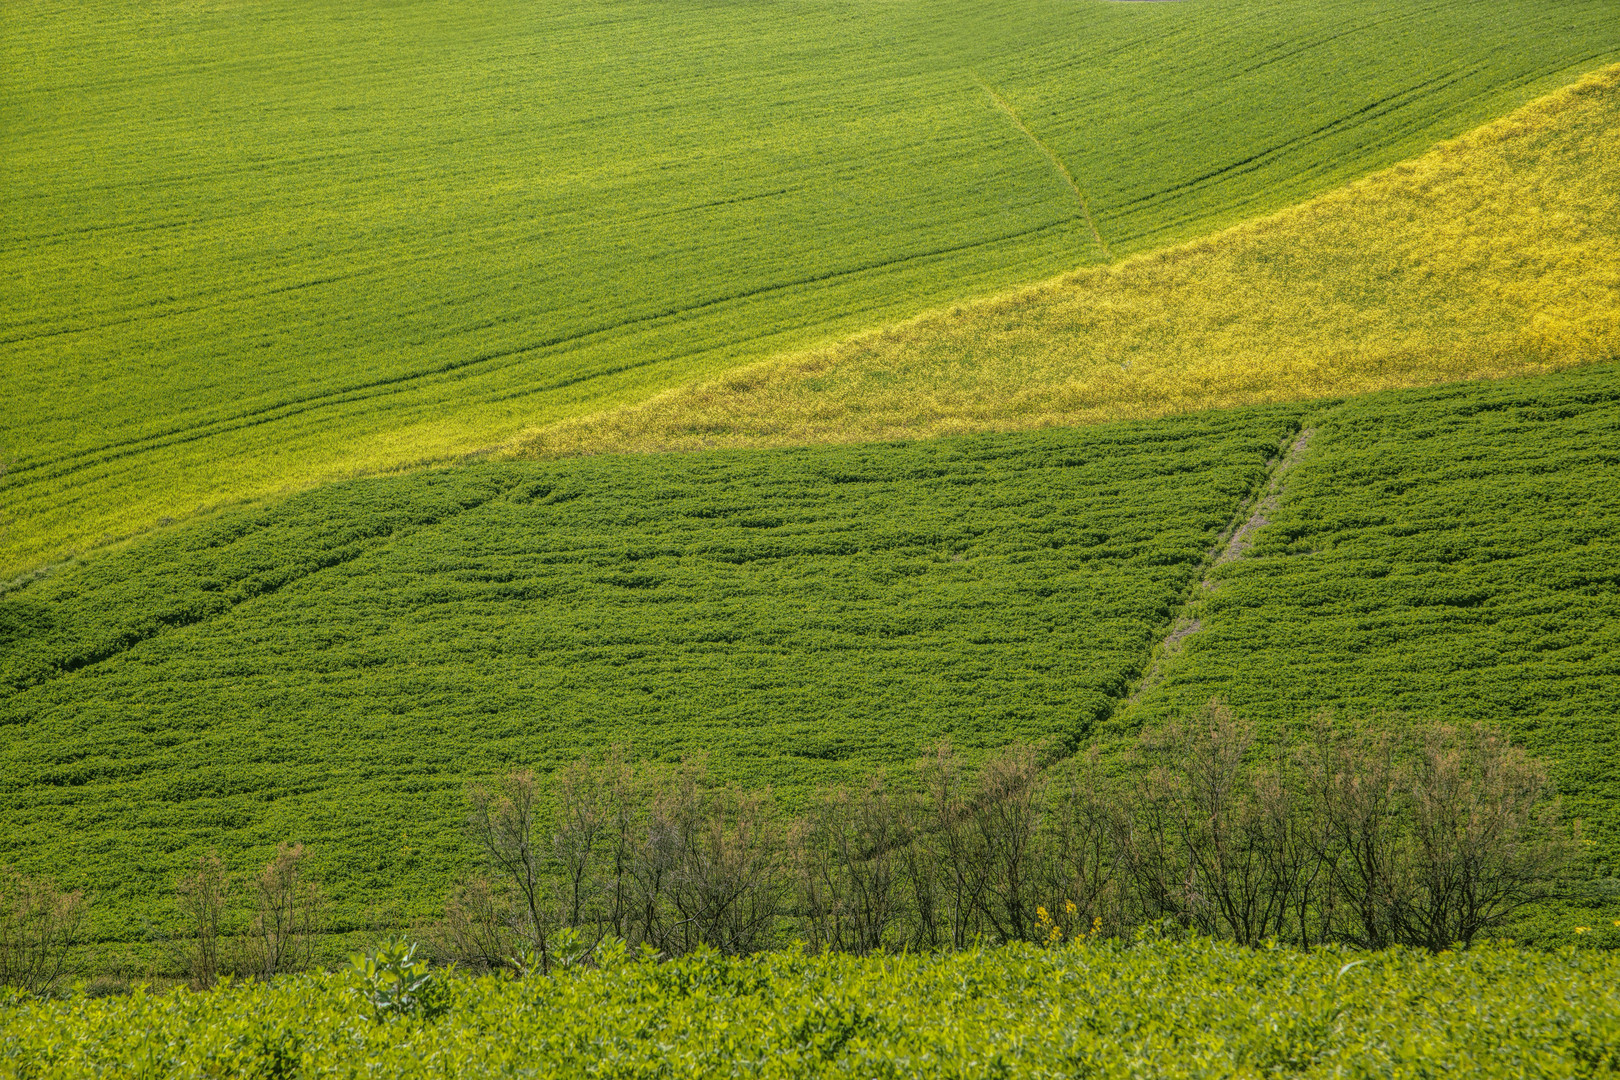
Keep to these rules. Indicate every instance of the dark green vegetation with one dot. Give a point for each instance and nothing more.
(250, 247)
(332, 670)
(1452, 553)
(1162, 1009)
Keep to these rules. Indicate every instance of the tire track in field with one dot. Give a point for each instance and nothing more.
(27, 474)
(1235, 539)
(91, 654)
(1057, 163)
(1377, 109)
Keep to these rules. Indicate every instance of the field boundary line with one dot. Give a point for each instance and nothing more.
(1236, 539)
(1057, 163)
(100, 652)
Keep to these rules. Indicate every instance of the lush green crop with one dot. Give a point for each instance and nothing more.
(1454, 554)
(251, 247)
(331, 671)
(1165, 1009)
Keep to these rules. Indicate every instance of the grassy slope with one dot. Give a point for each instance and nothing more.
(249, 247)
(1161, 1009)
(333, 669)
(1496, 253)
(1453, 553)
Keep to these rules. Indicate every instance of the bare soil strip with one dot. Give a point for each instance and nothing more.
(1235, 539)
(1085, 208)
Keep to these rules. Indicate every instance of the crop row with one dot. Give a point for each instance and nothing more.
(333, 670)
(259, 247)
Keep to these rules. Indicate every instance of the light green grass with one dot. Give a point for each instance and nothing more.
(249, 247)
(1494, 254)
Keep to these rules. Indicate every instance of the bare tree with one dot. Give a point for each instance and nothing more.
(39, 927)
(726, 884)
(1007, 810)
(848, 868)
(503, 824)
(202, 895)
(584, 819)
(622, 795)
(1291, 865)
(1081, 868)
(1486, 831)
(1354, 780)
(288, 913)
(478, 923)
(1242, 844)
(957, 857)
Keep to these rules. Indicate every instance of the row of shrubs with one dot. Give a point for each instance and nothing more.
(1365, 834)
(1370, 835)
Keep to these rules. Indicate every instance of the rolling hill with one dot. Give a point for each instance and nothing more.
(249, 248)
(1494, 254)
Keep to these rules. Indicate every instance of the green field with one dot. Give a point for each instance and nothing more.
(249, 248)
(333, 669)
(1453, 554)
(1160, 1009)
(1493, 254)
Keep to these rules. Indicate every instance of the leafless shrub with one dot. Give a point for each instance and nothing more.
(952, 867)
(1081, 871)
(1008, 808)
(584, 815)
(1486, 838)
(727, 878)
(478, 921)
(288, 914)
(503, 824)
(39, 927)
(1220, 843)
(1354, 780)
(848, 868)
(202, 895)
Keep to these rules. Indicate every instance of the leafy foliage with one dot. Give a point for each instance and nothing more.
(334, 670)
(395, 983)
(1162, 1008)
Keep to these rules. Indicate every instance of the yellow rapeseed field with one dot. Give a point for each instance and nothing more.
(1497, 253)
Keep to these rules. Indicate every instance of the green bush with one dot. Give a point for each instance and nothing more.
(1192, 1008)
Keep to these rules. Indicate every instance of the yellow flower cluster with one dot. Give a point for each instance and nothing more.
(1054, 932)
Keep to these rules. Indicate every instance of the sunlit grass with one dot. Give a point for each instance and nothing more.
(248, 249)
(1497, 253)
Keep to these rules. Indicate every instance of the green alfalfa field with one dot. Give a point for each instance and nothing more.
(253, 254)
(335, 669)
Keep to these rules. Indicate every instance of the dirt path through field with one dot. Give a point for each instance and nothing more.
(1057, 163)
(1235, 539)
